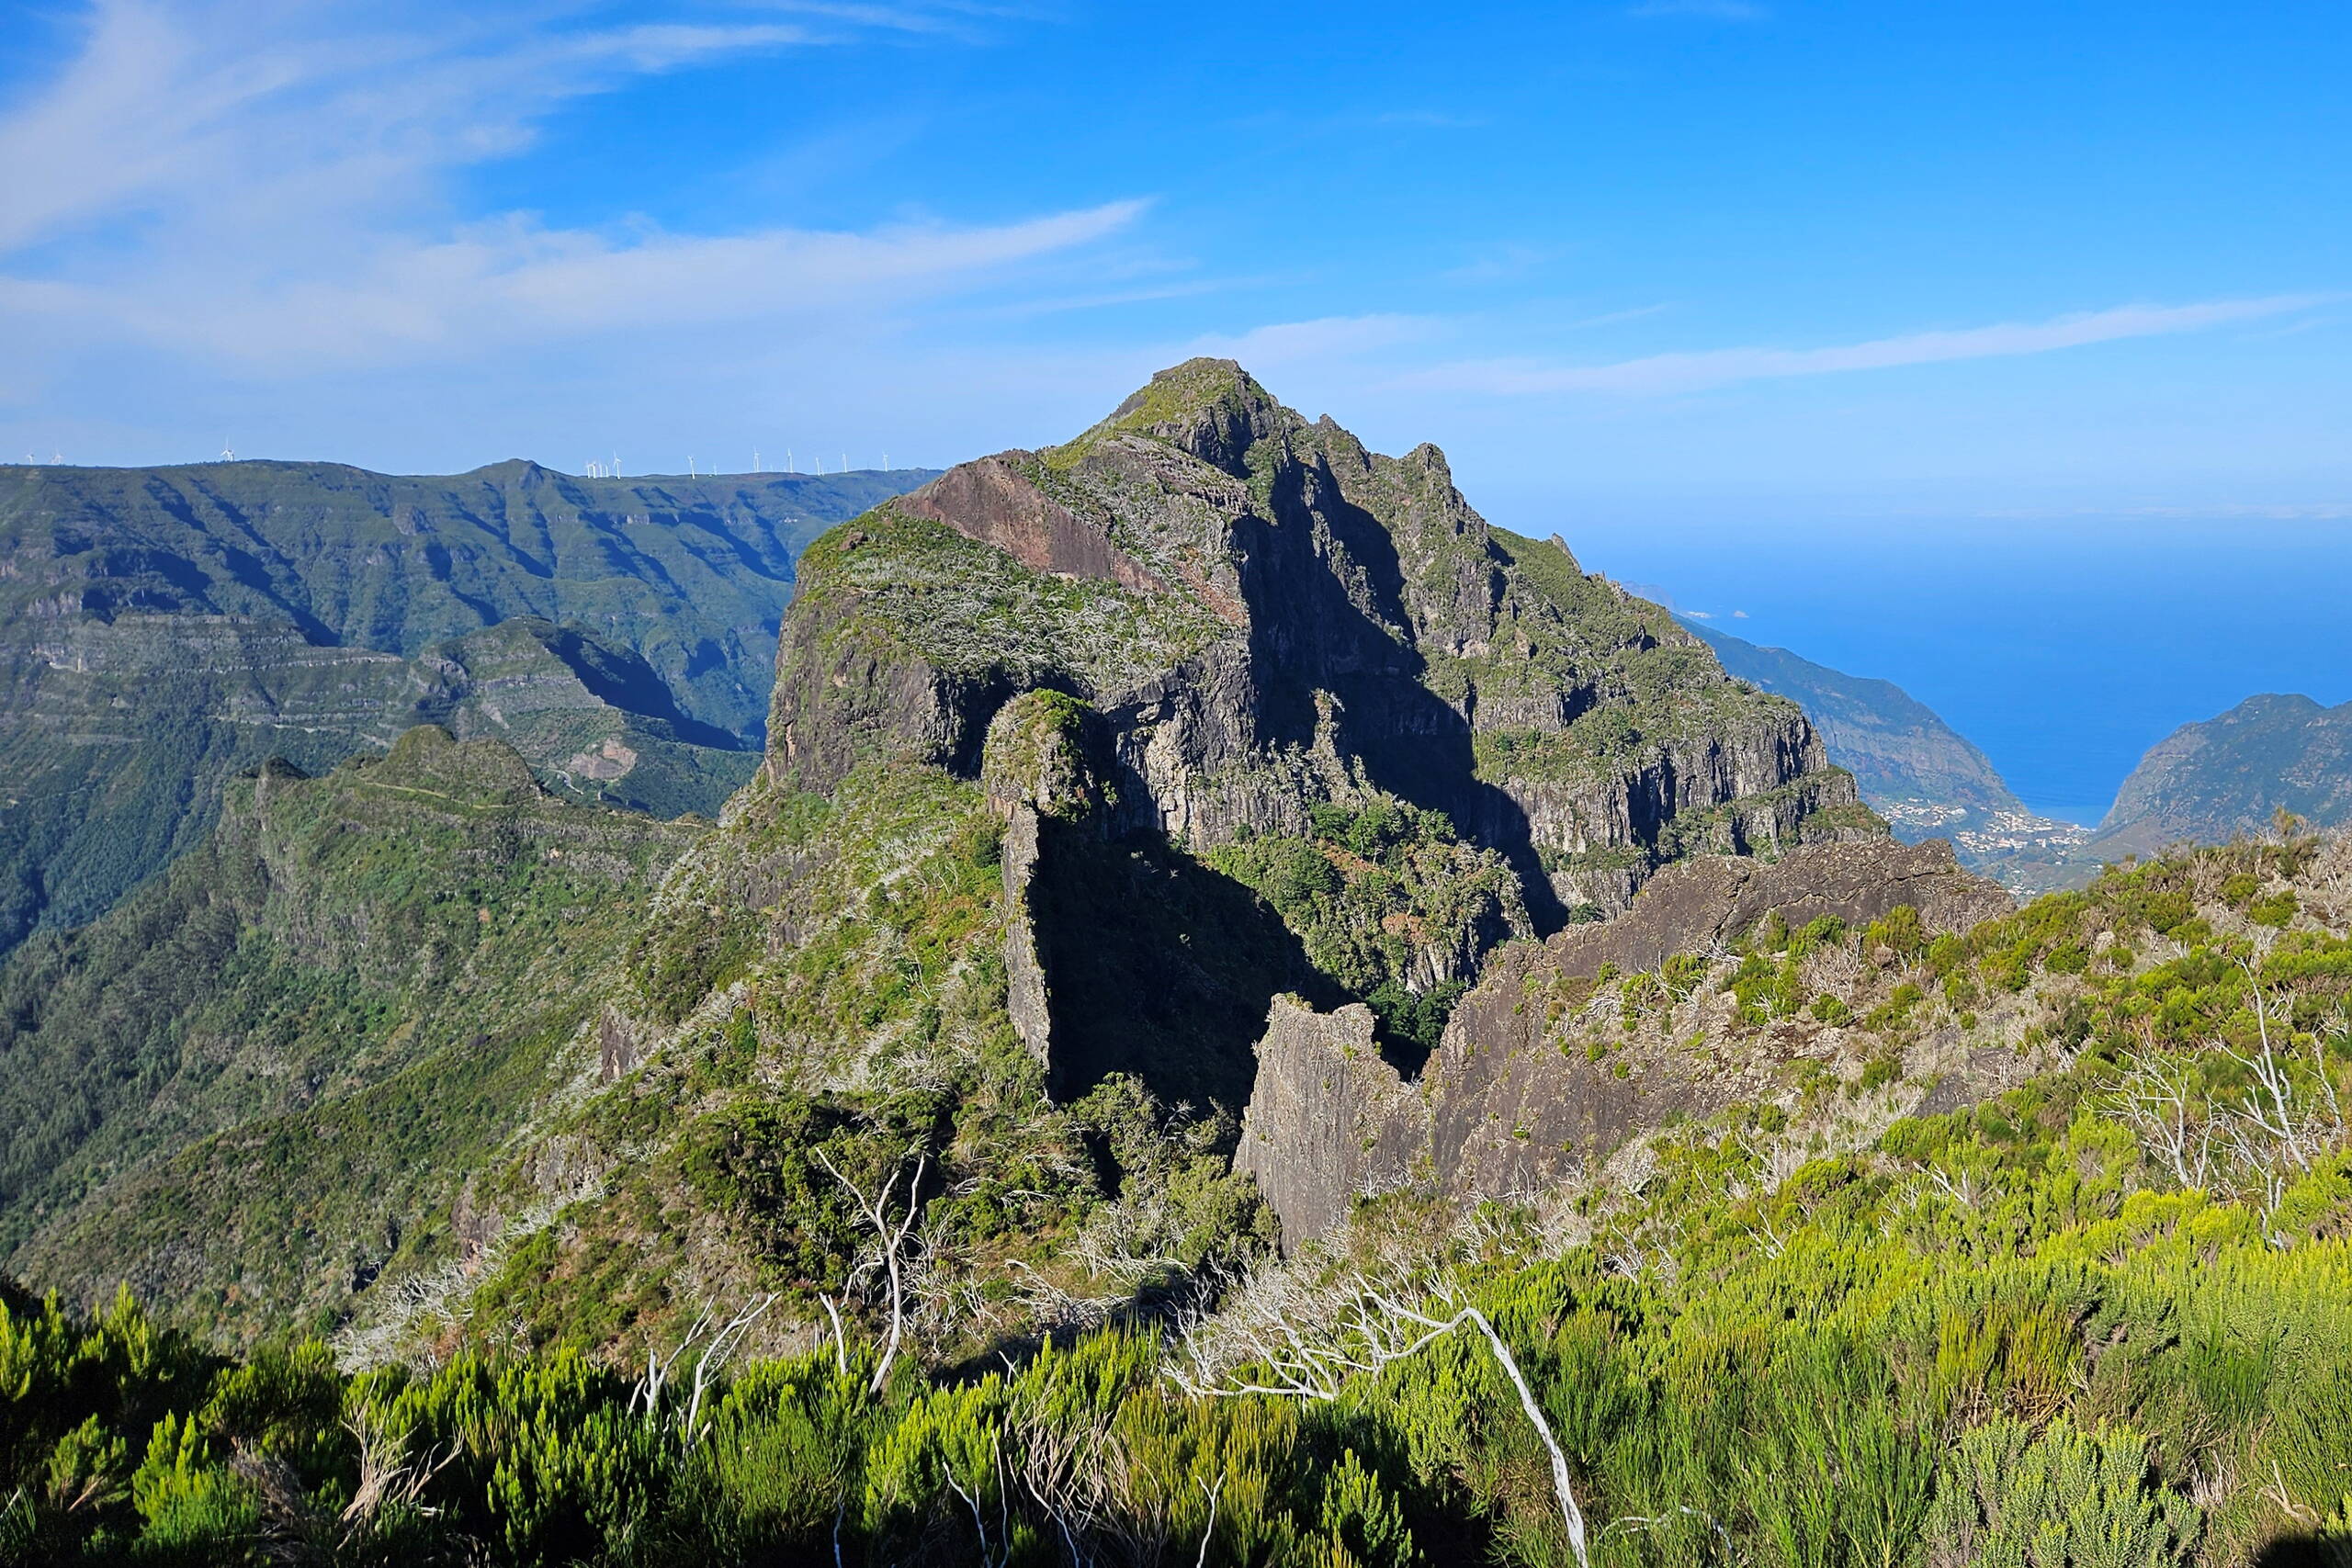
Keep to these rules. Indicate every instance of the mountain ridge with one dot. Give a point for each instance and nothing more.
(2214, 779)
(1299, 607)
(1269, 714)
(162, 629)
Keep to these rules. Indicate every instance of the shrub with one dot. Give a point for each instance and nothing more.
(2062, 1499)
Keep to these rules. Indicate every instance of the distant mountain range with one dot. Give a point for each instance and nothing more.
(163, 629)
(1925, 777)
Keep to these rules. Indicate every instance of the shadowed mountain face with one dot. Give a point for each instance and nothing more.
(163, 628)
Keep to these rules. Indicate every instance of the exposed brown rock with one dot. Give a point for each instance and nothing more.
(1712, 898)
(1504, 1109)
(988, 500)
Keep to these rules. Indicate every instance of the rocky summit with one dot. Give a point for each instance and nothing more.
(1083, 764)
(1261, 616)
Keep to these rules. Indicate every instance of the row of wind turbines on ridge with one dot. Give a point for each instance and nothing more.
(610, 468)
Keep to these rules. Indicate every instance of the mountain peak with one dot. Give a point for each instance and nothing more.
(1211, 407)
(506, 470)
(2271, 705)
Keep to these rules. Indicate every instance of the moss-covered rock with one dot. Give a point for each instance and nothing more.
(1036, 755)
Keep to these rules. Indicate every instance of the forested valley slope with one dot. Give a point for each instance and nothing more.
(163, 629)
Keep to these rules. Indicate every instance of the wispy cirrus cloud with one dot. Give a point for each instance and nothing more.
(270, 186)
(498, 282)
(1702, 370)
(1501, 264)
(169, 110)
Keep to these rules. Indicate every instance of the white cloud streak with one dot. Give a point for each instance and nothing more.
(267, 186)
(1661, 374)
(502, 283)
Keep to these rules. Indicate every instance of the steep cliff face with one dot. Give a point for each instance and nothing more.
(1524, 1095)
(1267, 615)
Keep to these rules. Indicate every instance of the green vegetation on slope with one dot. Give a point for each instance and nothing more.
(691, 575)
(2008, 1333)
(163, 630)
(1390, 903)
(827, 976)
(310, 1027)
(2231, 774)
(971, 609)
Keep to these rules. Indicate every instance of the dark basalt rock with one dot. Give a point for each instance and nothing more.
(1330, 1120)
(1714, 899)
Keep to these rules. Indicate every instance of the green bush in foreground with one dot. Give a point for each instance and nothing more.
(2137, 1378)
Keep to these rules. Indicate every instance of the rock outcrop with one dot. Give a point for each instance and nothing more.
(1503, 1108)
(1710, 899)
(1331, 1120)
(1033, 769)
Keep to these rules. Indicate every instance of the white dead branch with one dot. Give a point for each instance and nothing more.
(387, 1476)
(1282, 1339)
(717, 1343)
(891, 1234)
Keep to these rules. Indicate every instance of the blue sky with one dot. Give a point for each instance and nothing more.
(1646, 268)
